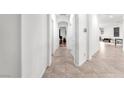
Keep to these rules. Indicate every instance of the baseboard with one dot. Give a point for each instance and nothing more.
(43, 71)
(90, 58)
(82, 62)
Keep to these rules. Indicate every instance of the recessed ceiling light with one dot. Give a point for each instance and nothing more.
(111, 16)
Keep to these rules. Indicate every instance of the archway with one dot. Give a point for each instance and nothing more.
(62, 36)
(63, 25)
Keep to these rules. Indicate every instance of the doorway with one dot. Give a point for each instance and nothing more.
(62, 37)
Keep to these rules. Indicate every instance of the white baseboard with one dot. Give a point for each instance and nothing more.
(82, 62)
(43, 71)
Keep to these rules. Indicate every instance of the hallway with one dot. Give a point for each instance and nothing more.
(107, 63)
(63, 64)
(29, 41)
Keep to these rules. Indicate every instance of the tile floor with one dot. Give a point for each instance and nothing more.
(108, 62)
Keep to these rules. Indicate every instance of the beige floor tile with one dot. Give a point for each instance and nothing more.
(107, 63)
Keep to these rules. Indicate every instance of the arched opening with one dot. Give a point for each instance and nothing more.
(62, 36)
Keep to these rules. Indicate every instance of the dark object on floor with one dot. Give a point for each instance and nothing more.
(107, 40)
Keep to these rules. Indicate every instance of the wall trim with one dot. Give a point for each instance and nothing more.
(82, 62)
(43, 71)
(76, 39)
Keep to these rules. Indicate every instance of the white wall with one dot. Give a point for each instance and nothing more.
(83, 42)
(50, 38)
(10, 45)
(109, 30)
(63, 32)
(78, 39)
(123, 32)
(55, 35)
(34, 45)
(71, 36)
(93, 30)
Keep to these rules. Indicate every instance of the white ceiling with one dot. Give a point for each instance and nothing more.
(63, 19)
(62, 24)
(110, 18)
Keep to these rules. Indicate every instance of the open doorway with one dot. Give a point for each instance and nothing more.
(62, 37)
(111, 30)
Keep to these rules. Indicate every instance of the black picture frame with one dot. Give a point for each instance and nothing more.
(116, 31)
